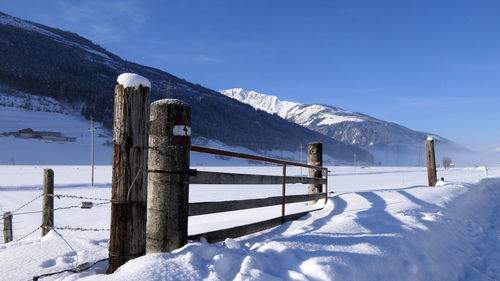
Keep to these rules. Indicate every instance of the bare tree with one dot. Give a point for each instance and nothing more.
(447, 162)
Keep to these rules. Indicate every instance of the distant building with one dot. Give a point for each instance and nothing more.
(42, 135)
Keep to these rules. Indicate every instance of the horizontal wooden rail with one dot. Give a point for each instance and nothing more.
(203, 177)
(206, 177)
(202, 149)
(238, 231)
(203, 208)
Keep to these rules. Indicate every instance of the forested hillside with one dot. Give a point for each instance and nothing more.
(50, 62)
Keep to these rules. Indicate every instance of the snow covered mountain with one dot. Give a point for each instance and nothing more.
(312, 116)
(391, 143)
(51, 63)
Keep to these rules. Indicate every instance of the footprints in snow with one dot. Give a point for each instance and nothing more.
(68, 258)
(48, 263)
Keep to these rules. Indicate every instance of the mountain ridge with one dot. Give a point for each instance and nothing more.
(349, 127)
(50, 62)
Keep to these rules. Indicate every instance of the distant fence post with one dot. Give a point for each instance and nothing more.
(48, 201)
(315, 157)
(431, 161)
(168, 176)
(7, 227)
(128, 188)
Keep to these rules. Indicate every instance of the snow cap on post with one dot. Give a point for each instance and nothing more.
(430, 138)
(133, 80)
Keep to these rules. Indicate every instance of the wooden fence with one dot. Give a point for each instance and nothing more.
(202, 208)
(155, 165)
(151, 178)
(169, 177)
(151, 168)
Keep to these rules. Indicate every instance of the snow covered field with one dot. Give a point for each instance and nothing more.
(23, 150)
(382, 223)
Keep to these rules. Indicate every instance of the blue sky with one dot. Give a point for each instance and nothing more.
(431, 65)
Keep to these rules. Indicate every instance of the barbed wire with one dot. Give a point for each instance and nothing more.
(26, 204)
(28, 234)
(79, 228)
(27, 213)
(60, 208)
(58, 196)
(67, 243)
(79, 268)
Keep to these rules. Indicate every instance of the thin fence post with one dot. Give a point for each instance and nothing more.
(283, 192)
(431, 161)
(128, 188)
(168, 176)
(48, 201)
(7, 227)
(315, 157)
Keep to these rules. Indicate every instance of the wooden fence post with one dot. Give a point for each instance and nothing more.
(48, 201)
(283, 192)
(128, 188)
(315, 157)
(7, 227)
(431, 161)
(168, 176)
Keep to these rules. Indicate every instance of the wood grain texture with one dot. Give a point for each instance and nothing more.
(128, 191)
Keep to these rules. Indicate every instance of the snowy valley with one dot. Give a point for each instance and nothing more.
(379, 224)
(376, 218)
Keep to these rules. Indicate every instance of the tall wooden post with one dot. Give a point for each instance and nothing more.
(48, 201)
(168, 176)
(315, 157)
(128, 189)
(431, 161)
(7, 227)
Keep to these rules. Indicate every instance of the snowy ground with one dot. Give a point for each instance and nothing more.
(382, 223)
(33, 151)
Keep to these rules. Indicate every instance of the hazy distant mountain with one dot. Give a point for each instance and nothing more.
(386, 139)
(50, 62)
